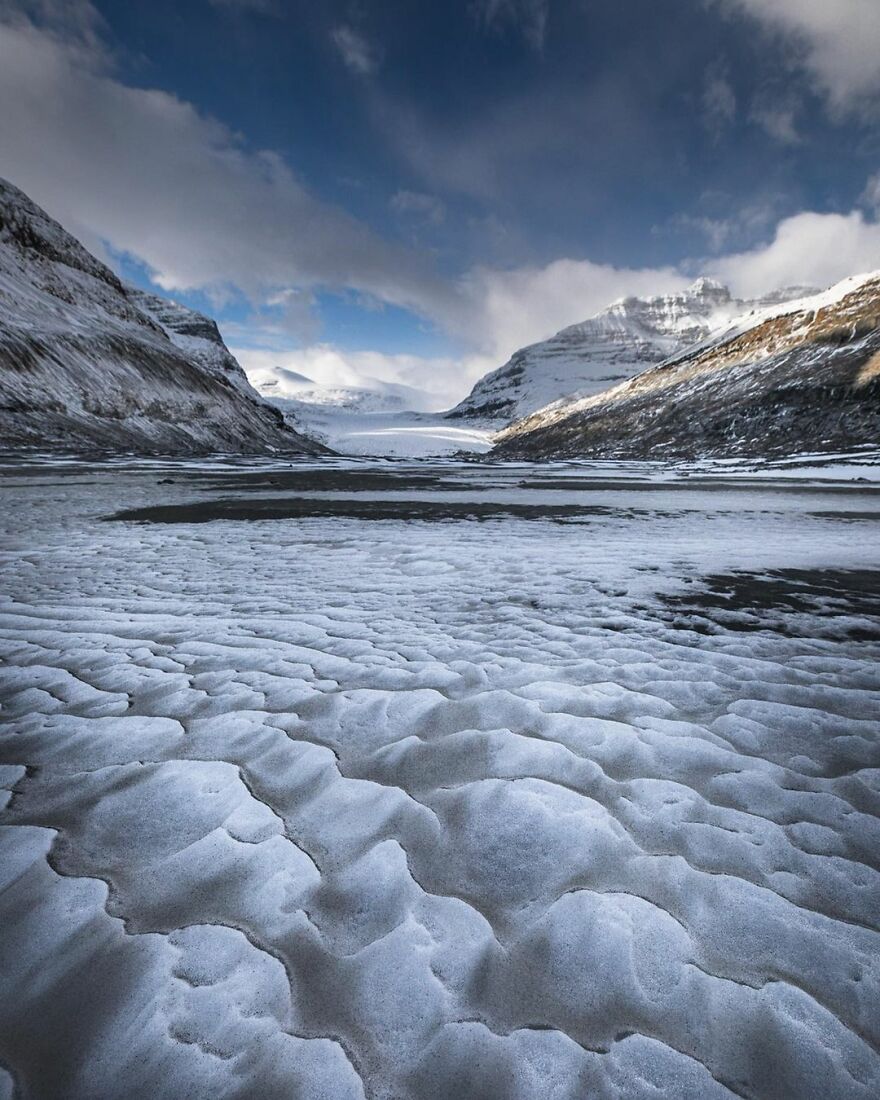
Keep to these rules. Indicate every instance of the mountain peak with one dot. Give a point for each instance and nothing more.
(624, 339)
(706, 287)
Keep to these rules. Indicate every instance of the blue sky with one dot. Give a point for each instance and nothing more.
(419, 188)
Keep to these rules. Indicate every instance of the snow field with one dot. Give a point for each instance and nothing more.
(342, 808)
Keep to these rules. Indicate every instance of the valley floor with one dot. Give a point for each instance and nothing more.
(422, 781)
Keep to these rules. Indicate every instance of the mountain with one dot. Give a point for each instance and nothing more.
(292, 391)
(87, 362)
(793, 377)
(622, 340)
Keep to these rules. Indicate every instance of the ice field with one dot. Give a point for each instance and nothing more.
(438, 781)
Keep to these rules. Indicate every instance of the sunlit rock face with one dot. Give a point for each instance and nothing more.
(418, 783)
(88, 362)
(786, 378)
(621, 341)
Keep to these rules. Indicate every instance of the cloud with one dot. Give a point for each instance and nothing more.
(776, 117)
(438, 381)
(149, 174)
(838, 40)
(870, 197)
(808, 249)
(716, 231)
(73, 19)
(498, 312)
(418, 203)
(528, 17)
(735, 226)
(358, 54)
(719, 101)
(527, 304)
(510, 309)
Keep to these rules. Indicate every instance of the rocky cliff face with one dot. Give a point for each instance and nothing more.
(619, 342)
(87, 362)
(800, 376)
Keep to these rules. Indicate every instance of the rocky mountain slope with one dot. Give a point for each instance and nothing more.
(87, 362)
(622, 340)
(793, 377)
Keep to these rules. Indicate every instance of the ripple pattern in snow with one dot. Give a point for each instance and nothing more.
(509, 807)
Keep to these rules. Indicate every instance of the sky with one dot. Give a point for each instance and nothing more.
(409, 190)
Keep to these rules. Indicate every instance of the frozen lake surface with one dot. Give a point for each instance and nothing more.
(428, 781)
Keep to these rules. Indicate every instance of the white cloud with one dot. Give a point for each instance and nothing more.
(358, 54)
(839, 41)
(807, 249)
(149, 174)
(433, 383)
(497, 312)
(521, 306)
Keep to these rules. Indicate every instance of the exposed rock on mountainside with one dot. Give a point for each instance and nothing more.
(619, 342)
(88, 362)
(789, 378)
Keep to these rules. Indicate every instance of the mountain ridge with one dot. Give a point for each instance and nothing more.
(623, 339)
(797, 375)
(90, 363)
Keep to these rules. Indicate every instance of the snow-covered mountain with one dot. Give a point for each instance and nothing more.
(802, 375)
(624, 339)
(88, 362)
(291, 390)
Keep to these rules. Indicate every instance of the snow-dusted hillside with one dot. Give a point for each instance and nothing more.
(88, 362)
(624, 339)
(794, 376)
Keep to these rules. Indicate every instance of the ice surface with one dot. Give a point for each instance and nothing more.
(579, 800)
(402, 434)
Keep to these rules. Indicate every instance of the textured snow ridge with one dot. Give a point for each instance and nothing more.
(89, 363)
(626, 338)
(580, 800)
(788, 377)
